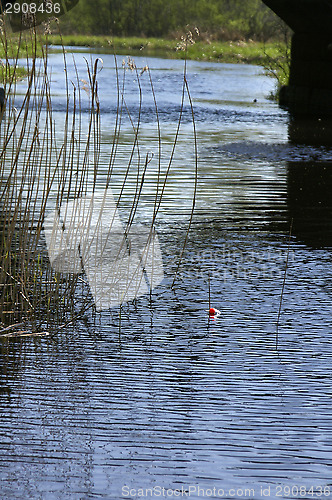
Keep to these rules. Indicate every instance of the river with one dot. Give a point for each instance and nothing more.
(178, 404)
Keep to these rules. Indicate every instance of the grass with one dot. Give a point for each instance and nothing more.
(18, 73)
(228, 52)
(12, 48)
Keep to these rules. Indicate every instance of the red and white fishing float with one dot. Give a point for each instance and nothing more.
(214, 312)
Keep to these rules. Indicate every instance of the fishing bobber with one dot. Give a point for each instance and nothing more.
(214, 312)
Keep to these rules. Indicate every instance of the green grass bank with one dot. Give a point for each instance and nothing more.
(12, 48)
(250, 52)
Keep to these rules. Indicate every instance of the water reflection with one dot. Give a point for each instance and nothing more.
(310, 131)
(309, 201)
(11, 363)
(172, 399)
(281, 182)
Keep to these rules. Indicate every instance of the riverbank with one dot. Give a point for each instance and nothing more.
(11, 73)
(228, 52)
(12, 48)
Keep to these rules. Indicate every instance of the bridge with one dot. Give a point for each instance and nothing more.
(309, 92)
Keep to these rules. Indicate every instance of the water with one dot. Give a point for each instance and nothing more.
(174, 400)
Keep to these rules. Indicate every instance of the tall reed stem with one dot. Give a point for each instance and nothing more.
(283, 283)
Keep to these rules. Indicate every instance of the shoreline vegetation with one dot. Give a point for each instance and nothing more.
(245, 52)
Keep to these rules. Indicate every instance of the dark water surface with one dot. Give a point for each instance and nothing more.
(175, 400)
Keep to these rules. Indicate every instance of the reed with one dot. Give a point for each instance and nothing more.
(47, 162)
(283, 284)
(29, 167)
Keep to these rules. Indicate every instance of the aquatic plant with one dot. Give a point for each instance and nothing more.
(48, 163)
(28, 169)
(277, 62)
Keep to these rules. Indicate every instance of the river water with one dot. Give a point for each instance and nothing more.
(177, 404)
